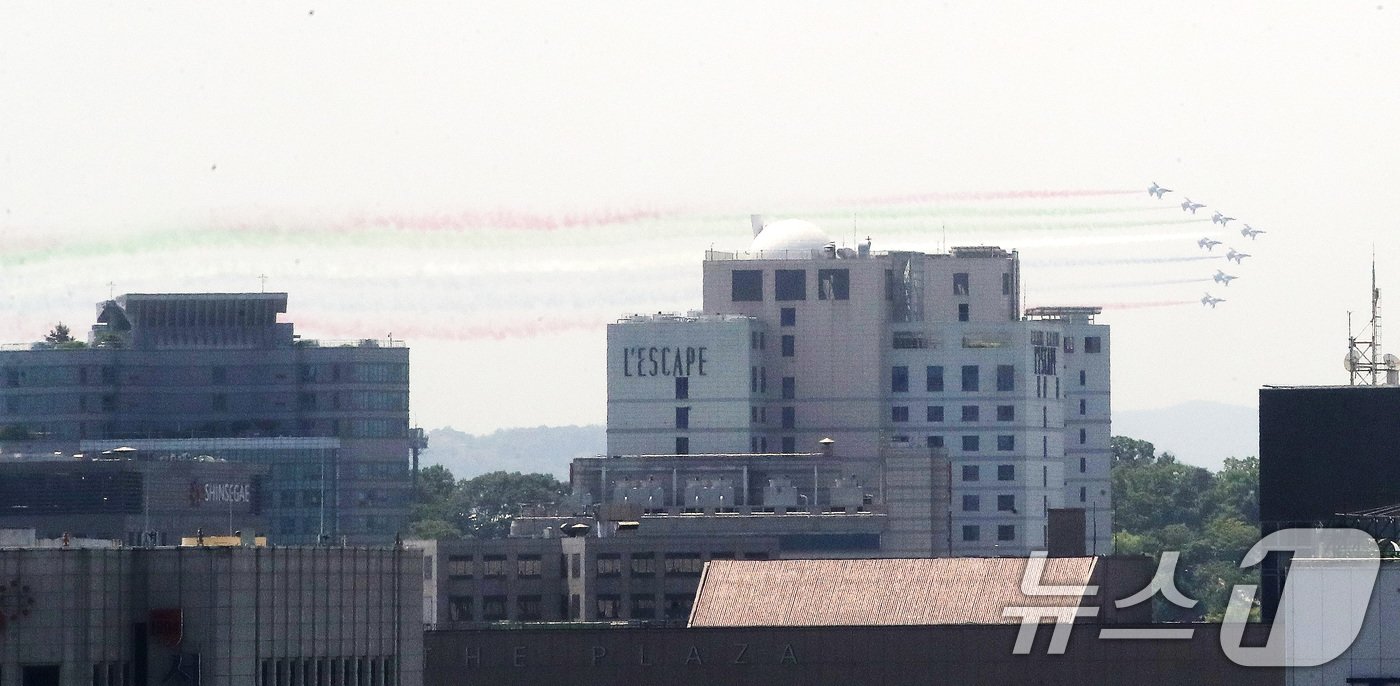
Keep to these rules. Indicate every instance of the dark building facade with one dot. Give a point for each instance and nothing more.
(1325, 452)
(221, 365)
(816, 656)
(135, 502)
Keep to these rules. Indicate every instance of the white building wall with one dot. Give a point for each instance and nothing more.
(1089, 460)
(646, 357)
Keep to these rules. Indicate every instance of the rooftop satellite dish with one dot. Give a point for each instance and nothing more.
(1391, 361)
(1352, 359)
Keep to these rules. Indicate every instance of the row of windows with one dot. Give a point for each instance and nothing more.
(1006, 502)
(326, 671)
(528, 566)
(973, 472)
(45, 376)
(971, 378)
(970, 413)
(746, 285)
(973, 532)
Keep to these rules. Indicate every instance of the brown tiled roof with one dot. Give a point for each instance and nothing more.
(877, 591)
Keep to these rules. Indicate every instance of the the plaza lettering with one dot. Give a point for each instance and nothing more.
(227, 493)
(663, 361)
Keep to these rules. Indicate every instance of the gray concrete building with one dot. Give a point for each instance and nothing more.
(222, 366)
(210, 616)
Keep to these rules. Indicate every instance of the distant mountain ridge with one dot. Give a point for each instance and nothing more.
(542, 449)
(1199, 433)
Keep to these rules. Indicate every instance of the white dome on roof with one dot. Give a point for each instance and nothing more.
(789, 234)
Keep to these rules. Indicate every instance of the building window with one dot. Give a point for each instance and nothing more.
(1082, 493)
(493, 566)
(1006, 442)
(789, 387)
(575, 565)
(609, 564)
(933, 379)
(682, 445)
(528, 608)
(970, 381)
(960, 286)
(1006, 532)
(1083, 465)
(935, 441)
(790, 284)
(963, 313)
(527, 566)
(1006, 472)
(643, 606)
(1006, 377)
(1093, 344)
(970, 472)
(684, 564)
(834, 284)
(789, 444)
(678, 605)
(899, 379)
(459, 608)
(1006, 503)
(971, 503)
(682, 417)
(789, 346)
(1069, 344)
(493, 608)
(787, 316)
(970, 532)
(935, 413)
(970, 444)
(899, 413)
(643, 564)
(747, 285)
(1083, 436)
(1006, 413)
(609, 606)
(1082, 377)
(682, 388)
(1006, 284)
(970, 413)
(789, 417)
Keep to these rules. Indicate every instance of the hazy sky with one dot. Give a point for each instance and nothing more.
(494, 183)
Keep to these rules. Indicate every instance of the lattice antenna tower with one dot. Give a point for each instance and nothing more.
(1364, 361)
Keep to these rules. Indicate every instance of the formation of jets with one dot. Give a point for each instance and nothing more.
(1232, 255)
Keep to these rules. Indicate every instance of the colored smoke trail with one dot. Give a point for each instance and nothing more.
(994, 195)
(1147, 304)
(1120, 284)
(967, 211)
(1120, 261)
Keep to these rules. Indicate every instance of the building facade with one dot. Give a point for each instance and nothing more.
(873, 349)
(218, 366)
(210, 616)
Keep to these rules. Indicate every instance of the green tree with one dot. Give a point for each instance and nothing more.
(59, 334)
(485, 505)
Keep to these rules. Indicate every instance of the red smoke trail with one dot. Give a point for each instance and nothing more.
(1118, 260)
(363, 326)
(512, 220)
(992, 195)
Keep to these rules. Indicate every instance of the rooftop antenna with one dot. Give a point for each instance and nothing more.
(1364, 361)
(263, 279)
(111, 290)
(944, 246)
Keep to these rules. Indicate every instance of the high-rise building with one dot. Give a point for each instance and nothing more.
(799, 341)
(178, 372)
